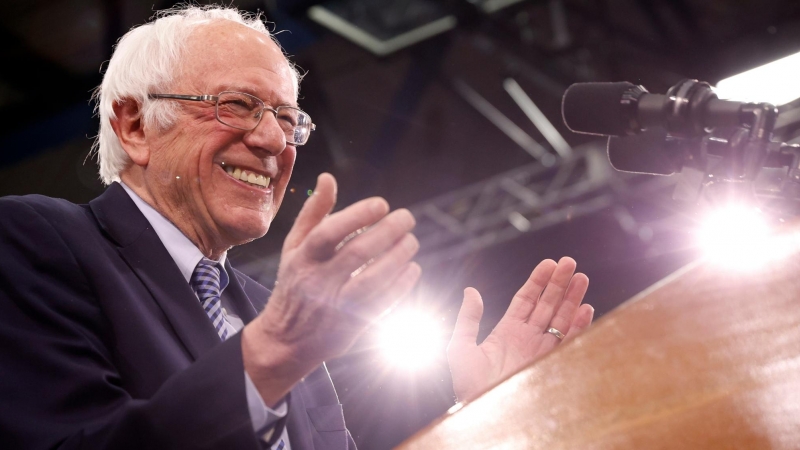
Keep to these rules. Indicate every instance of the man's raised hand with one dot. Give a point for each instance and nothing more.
(327, 293)
(551, 297)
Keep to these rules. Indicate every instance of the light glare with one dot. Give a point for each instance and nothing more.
(410, 340)
(774, 83)
(739, 237)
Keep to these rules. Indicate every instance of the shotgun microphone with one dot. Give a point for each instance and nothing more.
(622, 109)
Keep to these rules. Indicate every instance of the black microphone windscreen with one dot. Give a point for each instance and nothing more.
(595, 108)
(648, 152)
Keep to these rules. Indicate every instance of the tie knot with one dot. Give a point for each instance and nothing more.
(206, 278)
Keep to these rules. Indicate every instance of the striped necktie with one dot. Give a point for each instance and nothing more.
(206, 284)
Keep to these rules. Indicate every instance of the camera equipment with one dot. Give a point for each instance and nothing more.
(711, 143)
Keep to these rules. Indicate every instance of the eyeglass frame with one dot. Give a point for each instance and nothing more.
(215, 99)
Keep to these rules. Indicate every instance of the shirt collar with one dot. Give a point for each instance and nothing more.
(183, 251)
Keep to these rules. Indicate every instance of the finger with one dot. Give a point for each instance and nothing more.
(468, 322)
(315, 208)
(553, 294)
(322, 240)
(572, 300)
(403, 284)
(395, 287)
(371, 244)
(376, 277)
(525, 299)
(563, 319)
(583, 318)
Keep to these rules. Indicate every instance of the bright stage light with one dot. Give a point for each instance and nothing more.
(411, 340)
(738, 237)
(774, 83)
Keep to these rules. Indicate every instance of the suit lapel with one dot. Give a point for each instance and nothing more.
(238, 295)
(141, 248)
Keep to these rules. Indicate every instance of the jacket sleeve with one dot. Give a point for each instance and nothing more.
(58, 382)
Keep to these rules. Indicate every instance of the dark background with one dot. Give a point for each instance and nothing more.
(395, 126)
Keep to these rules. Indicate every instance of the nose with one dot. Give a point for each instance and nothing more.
(268, 137)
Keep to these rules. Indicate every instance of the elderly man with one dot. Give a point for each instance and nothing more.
(123, 324)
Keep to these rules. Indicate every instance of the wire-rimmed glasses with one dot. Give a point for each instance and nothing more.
(244, 112)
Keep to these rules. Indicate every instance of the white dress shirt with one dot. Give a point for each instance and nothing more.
(186, 256)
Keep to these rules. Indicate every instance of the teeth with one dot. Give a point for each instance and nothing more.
(248, 177)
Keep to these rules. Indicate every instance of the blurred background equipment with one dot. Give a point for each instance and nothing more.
(683, 131)
(460, 121)
(748, 182)
(383, 26)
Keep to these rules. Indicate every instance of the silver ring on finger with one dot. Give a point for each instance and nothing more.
(556, 333)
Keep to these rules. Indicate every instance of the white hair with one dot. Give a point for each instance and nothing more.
(146, 60)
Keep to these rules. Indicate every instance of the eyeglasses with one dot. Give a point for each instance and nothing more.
(244, 112)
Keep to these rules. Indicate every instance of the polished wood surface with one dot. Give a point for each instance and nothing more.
(706, 359)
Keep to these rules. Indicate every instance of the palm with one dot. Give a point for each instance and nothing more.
(510, 346)
(550, 298)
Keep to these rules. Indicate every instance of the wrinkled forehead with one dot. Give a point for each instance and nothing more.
(231, 50)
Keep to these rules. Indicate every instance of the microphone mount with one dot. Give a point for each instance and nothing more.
(716, 145)
(690, 108)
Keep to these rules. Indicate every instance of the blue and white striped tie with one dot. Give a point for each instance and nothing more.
(206, 283)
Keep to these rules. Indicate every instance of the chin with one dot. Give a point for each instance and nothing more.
(246, 229)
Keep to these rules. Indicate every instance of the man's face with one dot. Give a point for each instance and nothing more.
(187, 174)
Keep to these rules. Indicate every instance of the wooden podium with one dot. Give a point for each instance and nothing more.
(705, 359)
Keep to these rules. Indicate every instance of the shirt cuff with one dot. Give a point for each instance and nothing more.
(261, 415)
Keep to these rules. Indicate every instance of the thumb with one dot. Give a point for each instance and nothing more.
(469, 319)
(316, 207)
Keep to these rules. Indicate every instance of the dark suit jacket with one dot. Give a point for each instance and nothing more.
(103, 344)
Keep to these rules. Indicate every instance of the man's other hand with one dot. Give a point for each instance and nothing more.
(551, 297)
(338, 274)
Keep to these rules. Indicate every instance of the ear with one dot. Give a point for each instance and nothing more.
(129, 129)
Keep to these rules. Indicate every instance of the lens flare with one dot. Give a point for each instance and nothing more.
(739, 237)
(411, 340)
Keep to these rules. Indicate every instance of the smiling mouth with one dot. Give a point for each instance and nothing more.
(251, 178)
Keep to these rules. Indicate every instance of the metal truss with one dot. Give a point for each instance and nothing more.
(516, 203)
(523, 201)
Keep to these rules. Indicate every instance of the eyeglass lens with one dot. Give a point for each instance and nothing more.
(244, 111)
